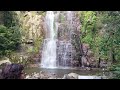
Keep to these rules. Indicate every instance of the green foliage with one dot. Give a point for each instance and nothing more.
(10, 36)
(115, 69)
(9, 40)
(37, 45)
(62, 18)
(10, 19)
(87, 39)
(101, 30)
(88, 21)
(20, 58)
(111, 37)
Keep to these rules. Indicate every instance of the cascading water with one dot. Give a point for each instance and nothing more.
(64, 53)
(49, 46)
(69, 17)
(57, 47)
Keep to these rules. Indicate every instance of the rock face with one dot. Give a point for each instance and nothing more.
(31, 24)
(68, 45)
(84, 61)
(104, 64)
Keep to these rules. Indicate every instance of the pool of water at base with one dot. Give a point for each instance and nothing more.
(60, 72)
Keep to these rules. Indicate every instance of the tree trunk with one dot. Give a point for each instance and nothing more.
(99, 62)
(113, 57)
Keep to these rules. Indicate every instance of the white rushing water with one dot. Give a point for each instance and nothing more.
(52, 46)
(49, 46)
(69, 17)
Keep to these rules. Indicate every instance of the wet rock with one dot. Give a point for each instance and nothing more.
(51, 78)
(53, 74)
(70, 76)
(29, 77)
(90, 53)
(58, 78)
(103, 65)
(104, 77)
(85, 47)
(87, 68)
(73, 75)
(84, 61)
(36, 75)
(66, 77)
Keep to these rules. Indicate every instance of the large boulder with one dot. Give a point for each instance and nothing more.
(103, 65)
(85, 48)
(70, 76)
(66, 77)
(74, 75)
(84, 61)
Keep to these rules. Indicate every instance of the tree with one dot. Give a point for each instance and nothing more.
(101, 30)
(9, 33)
(112, 31)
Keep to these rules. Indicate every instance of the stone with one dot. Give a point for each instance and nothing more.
(0, 70)
(65, 77)
(36, 75)
(27, 77)
(103, 65)
(73, 76)
(51, 78)
(58, 78)
(84, 61)
(87, 68)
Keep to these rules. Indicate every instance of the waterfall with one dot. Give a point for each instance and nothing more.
(65, 46)
(49, 46)
(69, 17)
(57, 47)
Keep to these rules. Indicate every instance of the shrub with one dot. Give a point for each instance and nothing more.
(9, 40)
